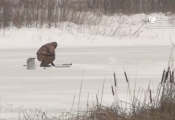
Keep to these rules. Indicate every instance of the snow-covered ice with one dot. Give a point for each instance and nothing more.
(98, 50)
(55, 87)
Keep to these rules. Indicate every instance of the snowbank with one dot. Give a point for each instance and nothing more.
(110, 31)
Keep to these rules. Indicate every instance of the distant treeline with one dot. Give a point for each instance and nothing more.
(38, 12)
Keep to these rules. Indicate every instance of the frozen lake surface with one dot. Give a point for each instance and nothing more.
(55, 87)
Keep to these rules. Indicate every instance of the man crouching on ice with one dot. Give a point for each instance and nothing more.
(46, 54)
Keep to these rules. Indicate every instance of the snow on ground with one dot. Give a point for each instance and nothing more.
(110, 31)
(98, 50)
(53, 89)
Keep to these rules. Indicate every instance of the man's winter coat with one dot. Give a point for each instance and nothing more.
(46, 54)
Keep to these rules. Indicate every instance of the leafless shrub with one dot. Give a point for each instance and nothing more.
(39, 12)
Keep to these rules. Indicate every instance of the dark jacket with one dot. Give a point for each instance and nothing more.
(47, 50)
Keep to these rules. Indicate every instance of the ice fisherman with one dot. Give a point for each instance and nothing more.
(46, 54)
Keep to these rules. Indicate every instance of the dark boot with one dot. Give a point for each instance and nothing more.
(44, 65)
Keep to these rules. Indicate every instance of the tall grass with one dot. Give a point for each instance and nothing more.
(142, 106)
(160, 106)
(49, 12)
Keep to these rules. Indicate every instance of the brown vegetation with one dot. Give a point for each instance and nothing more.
(143, 106)
(39, 12)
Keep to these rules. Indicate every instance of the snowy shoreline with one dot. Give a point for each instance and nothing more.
(34, 38)
(111, 31)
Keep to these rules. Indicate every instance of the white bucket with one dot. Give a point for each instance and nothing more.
(31, 63)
